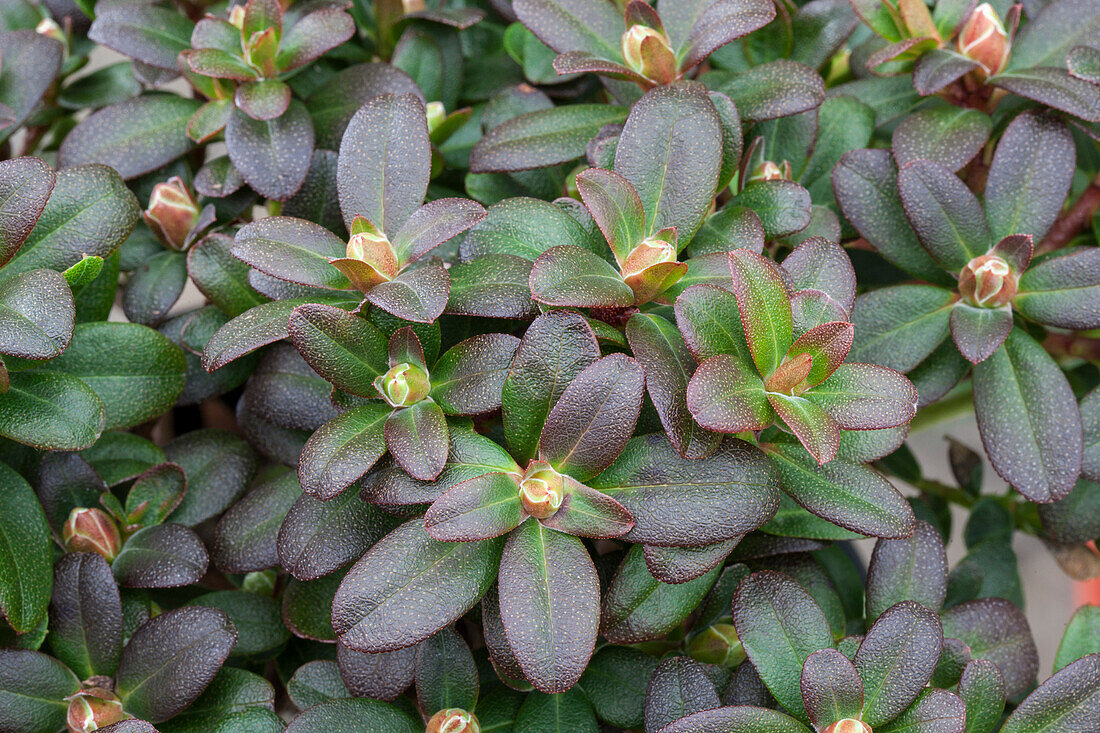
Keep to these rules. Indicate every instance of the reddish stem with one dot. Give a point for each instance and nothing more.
(1071, 223)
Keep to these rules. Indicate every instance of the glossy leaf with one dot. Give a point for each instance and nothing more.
(245, 537)
(783, 206)
(899, 326)
(722, 396)
(53, 682)
(764, 306)
(814, 428)
(50, 411)
(896, 659)
(678, 688)
(481, 508)
(949, 136)
(354, 715)
(866, 397)
(542, 138)
(831, 688)
(1068, 699)
(945, 214)
(37, 315)
(161, 556)
(616, 208)
(912, 568)
(25, 186)
(272, 156)
(155, 494)
(982, 690)
(615, 683)
(571, 276)
(996, 630)
(469, 377)
(418, 294)
(1062, 291)
(292, 249)
(25, 577)
(492, 286)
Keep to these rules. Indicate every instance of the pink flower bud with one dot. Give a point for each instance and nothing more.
(403, 385)
(453, 720)
(172, 212)
(988, 281)
(91, 530)
(848, 725)
(647, 51)
(93, 709)
(985, 40)
(541, 490)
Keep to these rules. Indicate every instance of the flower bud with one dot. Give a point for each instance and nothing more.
(436, 113)
(717, 644)
(91, 530)
(647, 51)
(541, 491)
(403, 385)
(172, 212)
(789, 376)
(650, 252)
(48, 27)
(236, 16)
(985, 40)
(848, 725)
(93, 709)
(769, 171)
(988, 281)
(453, 720)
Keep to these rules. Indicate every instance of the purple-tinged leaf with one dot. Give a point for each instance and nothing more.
(899, 326)
(1090, 420)
(86, 615)
(555, 349)
(550, 605)
(776, 89)
(446, 674)
(724, 397)
(938, 68)
(732, 137)
(679, 687)
(658, 153)
(813, 427)
(818, 264)
(262, 100)
(765, 308)
(780, 626)
(669, 367)
(384, 165)
(571, 276)
(864, 446)
(382, 676)
(677, 501)
(719, 23)
(347, 350)
(161, 556)
(419, 294)
(1030, 176)
(433, 224)
(469, 377)
(150, 34)
(542, 138)
(736, 718)
(813, 308)
(336, 101)
(865, 184)
(637, 607)
(866, 397)
(978, 332)
(1063, 292)
(680, 564)
(219, 64)
(946, 216)
(950, 136)
(492, 286)
(416, 437)
(934, 711)
(908, 569)
(996, 630)
(272, 156)
(342, 450)
(1030, 425)
(244, 539)
(294, 250)
(831, 688)
(729, 228)
(982, 690)
(616, 208)
(585, 512)
(896, 58)
(896, 659)
(710, 322)
(1069, 700)
(1055, 88)
(784, 207)
(853, 497)
(581, 62)
(31, 62)
(826, 345)
(573, 25)
(318, 538)
(1016, 250)
(349, 713)
(478, 509)
(25, 186)
(594, 418)
(496, 643)
(313, 35)
(405, 347)
(37, 315)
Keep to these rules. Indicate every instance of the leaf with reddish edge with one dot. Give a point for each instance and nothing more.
(826, 345)
(818, 264)
(775, 89)
(866, 397)
(345, 349)
(950, 136)
(933, 710)
(710, 322)
(813, 308)
(677, 501)
(580, 62)
(947, 217)
(155, 494)
(25, 186)
(1028, 419)
(492, 286)
(616, 208)
(938, 68)
(765, 308)
(585, 512)
(831, 688)
(409, 586)
(404, 347)
(732, 137)
(708, 269)
(655, 280)
(291, 249)
(433, 224)
(679, 686)
(1069, 700)
(669, 367)
(385, 162)
(571, 276)
(784, 207)
(496, 643)
(677, 565)
(37, 315)
(342, 450)
(478, 509)
(469, 377)
(813, 427)
(416, 437)
(997, 630)
(723, 397)
(978, 332)
(550, 605)
(262, 100)
(1063, 292)
(900, 326)
(595, 417)
(1016, 250)
(313, 35)
(982, 690)
(851, 496)
(780, 626)
(272, 156)
(567, 25)
(896, 659)
(554, 350)
(736, 718)
(419, 294)
(912, 568)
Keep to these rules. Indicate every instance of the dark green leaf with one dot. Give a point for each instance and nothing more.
(468, 378)
(678, 688)
(25, 186)
(155, 494)
(161, 556)
(119, 456)
(776, 89)
(294, 250)
(31, 62)
(571, 276)
(896, 659)
(480, 508)
(50, 411)
(1081, 637)
(912, 568)
(831, 688)
(615, 684)
(37, 315)
(356, 715)
(950, 136)
(446, 674)
(48, 681)
(222, 278)
(150, 34)
(542, 138)
(1070, 699)
(899, 326)
(996, 630)
(234, 700)
(568, 711)
(982, 690)
(25, 570)
(260, 631)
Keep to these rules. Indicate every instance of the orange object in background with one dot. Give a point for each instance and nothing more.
(1087, 592)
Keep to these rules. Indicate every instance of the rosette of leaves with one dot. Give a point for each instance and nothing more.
(418, 400)
(978, 258)
(963, 51)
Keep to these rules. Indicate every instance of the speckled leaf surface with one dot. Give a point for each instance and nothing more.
(273, 156)
(947, 217)
(290, 249)
(678, 688)
(446, 674)
(982, 690)
(765, 308)
(354, 715)
(831, 688)
(949, 136)
(25, 186)
(31, 62)
(571, 276)
(245, 537)
(911, 568)
(50, 411)
(1070, 699)
(997, 631)
(896, 659)
(161, 556)
(542, 138)
(37, 315)
(469, 377)
(899, 326)
(52, 682)
(25, 571)
(736, 719)
(1063, 292)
